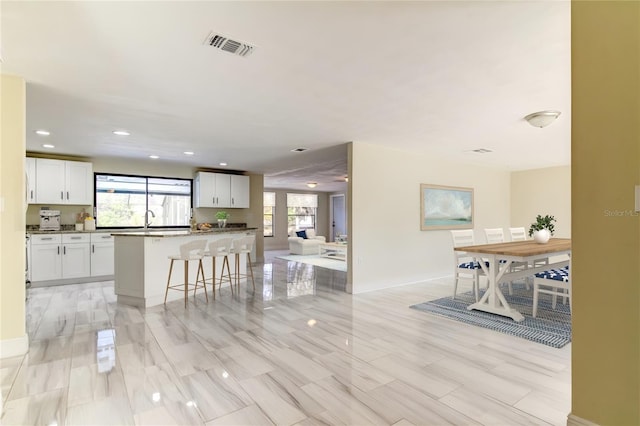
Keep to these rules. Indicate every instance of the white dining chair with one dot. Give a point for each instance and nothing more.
(520, 234)
(466, 267)
(556, 282)
(494, 236)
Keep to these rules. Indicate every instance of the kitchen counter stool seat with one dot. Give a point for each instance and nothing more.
(240, 246)
(220, 248)
(193, 250)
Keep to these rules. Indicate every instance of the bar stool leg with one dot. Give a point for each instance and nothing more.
(213, 274)
(204, 282)
(251, 270)
(186, 282)
(225, 261)
(166, 292)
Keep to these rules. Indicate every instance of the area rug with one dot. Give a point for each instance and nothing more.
(323, 262)
(550, 327)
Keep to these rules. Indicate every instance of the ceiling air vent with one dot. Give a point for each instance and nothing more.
(225, 43)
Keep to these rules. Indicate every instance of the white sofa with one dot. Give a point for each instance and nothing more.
(310, 245)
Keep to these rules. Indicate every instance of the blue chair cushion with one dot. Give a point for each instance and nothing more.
(469, 265)
(561, 274)
(302, 234)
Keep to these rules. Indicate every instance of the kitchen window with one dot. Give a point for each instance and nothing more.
(301, 212)
(128, 201)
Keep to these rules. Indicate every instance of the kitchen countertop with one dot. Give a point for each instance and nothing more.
(179, 233)
(149, 232)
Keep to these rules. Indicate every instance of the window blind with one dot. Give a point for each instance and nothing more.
(269, 199)
(302, 200)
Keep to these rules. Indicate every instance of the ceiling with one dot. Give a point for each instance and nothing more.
(440, 78)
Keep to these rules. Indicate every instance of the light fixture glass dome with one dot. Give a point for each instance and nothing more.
(542, 118)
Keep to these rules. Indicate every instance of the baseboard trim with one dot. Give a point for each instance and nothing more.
(573, 420)
(14, 347)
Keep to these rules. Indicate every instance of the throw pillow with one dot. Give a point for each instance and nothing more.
(302, 234)
(311, 233)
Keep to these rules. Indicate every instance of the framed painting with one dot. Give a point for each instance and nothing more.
(445, 207)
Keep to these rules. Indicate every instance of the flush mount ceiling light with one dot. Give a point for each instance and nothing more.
(188, 153)
(48, 145)
(43, 132)
(223, 164)
(121, 133)
(154, 157)
(542, 118)
(312, 184)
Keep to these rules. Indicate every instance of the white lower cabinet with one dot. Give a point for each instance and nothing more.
(101, 254)
(46, 257)
(76, 262)
(70, 256)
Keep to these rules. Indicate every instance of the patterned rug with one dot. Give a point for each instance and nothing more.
(316, 260)
(550, 327)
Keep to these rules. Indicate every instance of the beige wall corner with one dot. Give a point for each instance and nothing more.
(542, 192)
(13, 339)
(605, 167)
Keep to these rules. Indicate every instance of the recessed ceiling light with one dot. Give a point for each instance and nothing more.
(299, 150)
(121, 133)
(312, 184)
(188, 153)
(223, 164)
(43, 132)
(155, 157)
(48, 145)
(482, 150)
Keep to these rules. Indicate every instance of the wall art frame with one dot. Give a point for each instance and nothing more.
(445, 207)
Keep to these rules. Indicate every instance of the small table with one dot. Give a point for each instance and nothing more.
(336, 251)
(499, 258)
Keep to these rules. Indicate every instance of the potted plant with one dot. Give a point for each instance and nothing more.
(542, 229)
(222, 217)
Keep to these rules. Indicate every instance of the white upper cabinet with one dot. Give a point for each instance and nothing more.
(63, 182)
(240, 191)
(30, 171)
(217, 190)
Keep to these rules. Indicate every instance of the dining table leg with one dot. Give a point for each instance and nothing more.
(493, 300)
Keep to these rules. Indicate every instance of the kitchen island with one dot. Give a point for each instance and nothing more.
(142, 262)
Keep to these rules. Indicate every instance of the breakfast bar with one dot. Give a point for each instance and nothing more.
(142, 265)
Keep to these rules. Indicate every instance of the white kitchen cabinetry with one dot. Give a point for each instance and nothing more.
(101, 254)
(76, 261)
(30, 170)
(59, 256)
(240, 191)
(63, 182)
(221, 190)
(46, 262)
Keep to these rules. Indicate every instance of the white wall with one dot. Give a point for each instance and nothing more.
(542, 192)
(387, 247)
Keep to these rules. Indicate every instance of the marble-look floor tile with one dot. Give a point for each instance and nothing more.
(215, 392)
(9, 368)
(107, 411)
(46, 408)
(38, 378)
(248, 416)
(425, 379)
(157, 389)
(258, 358)
(486, 410)
(90, 383)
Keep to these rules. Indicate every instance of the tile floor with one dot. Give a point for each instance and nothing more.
(299, 351)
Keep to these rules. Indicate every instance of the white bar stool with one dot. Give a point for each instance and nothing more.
(220, 248)
(193, 250)
(240, 246)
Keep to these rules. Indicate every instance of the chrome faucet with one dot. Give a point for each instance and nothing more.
(147, 222)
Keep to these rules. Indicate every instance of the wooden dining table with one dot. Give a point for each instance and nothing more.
(496, 260)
